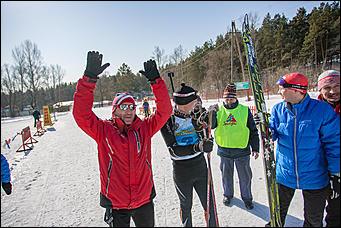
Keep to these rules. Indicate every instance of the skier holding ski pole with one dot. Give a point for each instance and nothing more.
(187, 144)
(307, 132)
(124, 145)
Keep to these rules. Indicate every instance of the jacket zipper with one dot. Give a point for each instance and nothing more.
(150, 170)
(295, 151)
(109, 146)
(138, 142)
(109, 168)
(108, 180)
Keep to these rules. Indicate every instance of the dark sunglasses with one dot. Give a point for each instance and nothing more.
(126, 106)
(283, 83)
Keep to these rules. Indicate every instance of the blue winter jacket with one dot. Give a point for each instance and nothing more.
(5, 173)
(308, 143)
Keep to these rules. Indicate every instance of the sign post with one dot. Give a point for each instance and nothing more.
(26, 140)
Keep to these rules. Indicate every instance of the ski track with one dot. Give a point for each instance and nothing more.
(57, 183)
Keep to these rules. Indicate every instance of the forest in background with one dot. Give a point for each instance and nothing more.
(309, 44)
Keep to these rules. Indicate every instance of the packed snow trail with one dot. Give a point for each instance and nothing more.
(57, 183)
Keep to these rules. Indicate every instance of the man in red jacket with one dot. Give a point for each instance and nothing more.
(329, 87)
(124, 144)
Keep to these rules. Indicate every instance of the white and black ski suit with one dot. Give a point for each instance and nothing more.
(189, 166)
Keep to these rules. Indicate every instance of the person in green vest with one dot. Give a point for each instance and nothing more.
(235, 132)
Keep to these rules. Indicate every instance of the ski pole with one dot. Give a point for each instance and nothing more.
(210, 185)
(171, 75)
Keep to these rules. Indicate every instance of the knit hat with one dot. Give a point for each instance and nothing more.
(119, 98)
(294, 81)
(185, 95)
(328, 77)
(230, 91)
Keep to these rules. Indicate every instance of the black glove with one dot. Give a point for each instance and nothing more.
(205, 145)
(214, 107)
(256, 118)
(199, 117)
(94, 65)
(195, 116)
(335, 186)
(150, 71)
(7, 187)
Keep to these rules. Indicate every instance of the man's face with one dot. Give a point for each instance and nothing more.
(331, 92)
(127, 115)
(289, 95)
(187, 108)
(230, 101)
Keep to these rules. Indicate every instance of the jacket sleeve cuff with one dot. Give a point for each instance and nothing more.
(88, 79)
(156, 81)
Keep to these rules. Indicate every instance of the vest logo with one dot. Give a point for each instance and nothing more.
(230, 120)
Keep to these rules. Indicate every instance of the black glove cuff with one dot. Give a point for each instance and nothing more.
(7, 187)
(90, 74)
(196, 148)
(154, 78)
(152, 82)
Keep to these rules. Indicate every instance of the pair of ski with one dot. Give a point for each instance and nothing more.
(264, 127)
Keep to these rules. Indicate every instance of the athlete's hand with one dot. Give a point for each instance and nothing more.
(94, 65)
(205, 145)
(150, 71)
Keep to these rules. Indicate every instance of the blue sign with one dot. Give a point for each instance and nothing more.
(242, 85)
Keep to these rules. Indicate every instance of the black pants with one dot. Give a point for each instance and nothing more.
(146, 112)
(314, 203)
(35, 121)
(333, 212)
(189, 174)
(142, 216)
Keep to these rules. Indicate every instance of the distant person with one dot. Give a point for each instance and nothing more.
(36, 116)
(5, 176)
(237, 138)
(146, 107)
(186, 142)
(307, 132)
(124, 145)
(329, 87)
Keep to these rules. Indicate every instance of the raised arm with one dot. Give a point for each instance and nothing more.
(84, 96)
(162, 100)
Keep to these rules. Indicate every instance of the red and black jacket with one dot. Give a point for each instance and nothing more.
(124, 152)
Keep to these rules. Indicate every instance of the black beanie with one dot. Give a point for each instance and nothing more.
(185, 95)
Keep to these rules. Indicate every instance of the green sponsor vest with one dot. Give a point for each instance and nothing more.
(231, 131)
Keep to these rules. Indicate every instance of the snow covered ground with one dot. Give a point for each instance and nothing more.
(57, 182)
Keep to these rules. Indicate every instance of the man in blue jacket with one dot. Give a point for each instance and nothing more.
(308, 146)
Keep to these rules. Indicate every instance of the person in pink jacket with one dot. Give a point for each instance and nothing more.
(124, 144)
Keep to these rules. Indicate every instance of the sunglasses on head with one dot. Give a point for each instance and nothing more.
(283, 83)
(126, 106)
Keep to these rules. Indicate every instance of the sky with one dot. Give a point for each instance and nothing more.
(57, 183)
(124, 31)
